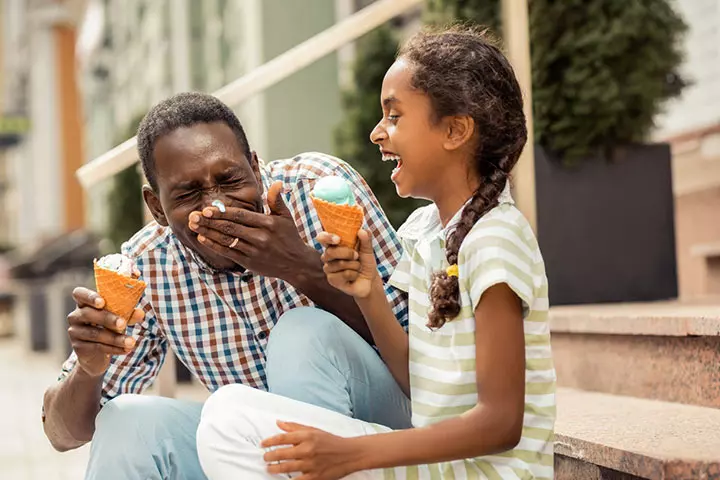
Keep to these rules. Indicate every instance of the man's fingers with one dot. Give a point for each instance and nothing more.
(85, 348)
(92, 316)
(241, 216)
(88, 333)
(84, 297)
(338, 266)
(225, 240)
(233, 254)
(137, 316)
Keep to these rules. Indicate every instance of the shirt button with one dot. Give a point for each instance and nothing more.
(262, 335)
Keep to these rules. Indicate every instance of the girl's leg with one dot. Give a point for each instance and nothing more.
(236, 418)
(312, 356)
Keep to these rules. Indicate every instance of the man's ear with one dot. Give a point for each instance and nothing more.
(459, 131)
(153, 203)
(255, 165)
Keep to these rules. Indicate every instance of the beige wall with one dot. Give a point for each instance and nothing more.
(696, 161)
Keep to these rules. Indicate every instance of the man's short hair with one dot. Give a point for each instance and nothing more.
(183, 110)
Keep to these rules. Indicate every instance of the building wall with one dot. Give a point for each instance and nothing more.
(302, 110)
(699, 105)
(225, 39)
(691, 125)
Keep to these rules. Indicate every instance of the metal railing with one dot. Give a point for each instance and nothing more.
(263, 77)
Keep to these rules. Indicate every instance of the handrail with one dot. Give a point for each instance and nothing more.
(259, 79)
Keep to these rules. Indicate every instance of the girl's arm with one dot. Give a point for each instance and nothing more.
(356, 274)
(390, 338)
(495, 424)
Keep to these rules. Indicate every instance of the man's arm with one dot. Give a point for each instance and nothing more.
(271, 245)
(70, 408)
(102, 348)
(312, 282)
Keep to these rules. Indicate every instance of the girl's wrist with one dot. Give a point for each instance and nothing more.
(364, 455)
(377, 290)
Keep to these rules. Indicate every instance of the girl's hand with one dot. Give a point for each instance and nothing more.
(314, 453)
(352, 272)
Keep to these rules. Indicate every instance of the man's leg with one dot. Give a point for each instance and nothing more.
(145, 437)
(312, 356)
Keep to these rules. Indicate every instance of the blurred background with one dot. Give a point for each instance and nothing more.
(621, 180)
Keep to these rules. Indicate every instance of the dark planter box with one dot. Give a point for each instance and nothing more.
(606, 229)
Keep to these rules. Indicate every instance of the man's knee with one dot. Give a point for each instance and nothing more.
(124, 415)
(137, 418)
(300, 329)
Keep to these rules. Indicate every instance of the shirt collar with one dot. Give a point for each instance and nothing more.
(427, 223)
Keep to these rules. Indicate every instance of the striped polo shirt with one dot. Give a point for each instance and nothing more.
(500, 248)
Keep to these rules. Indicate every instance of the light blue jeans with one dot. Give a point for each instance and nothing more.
(311, 356)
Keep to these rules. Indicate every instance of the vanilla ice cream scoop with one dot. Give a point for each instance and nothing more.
(119, 263)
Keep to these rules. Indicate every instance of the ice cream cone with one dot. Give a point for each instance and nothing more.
(341, 220)
(121, 293)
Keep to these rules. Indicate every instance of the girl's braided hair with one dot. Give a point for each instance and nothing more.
(465, 73)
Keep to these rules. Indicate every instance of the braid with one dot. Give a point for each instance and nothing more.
(445, 290)
(464, 73)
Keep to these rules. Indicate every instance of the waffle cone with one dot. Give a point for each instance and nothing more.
(121, 293)
(341, 220)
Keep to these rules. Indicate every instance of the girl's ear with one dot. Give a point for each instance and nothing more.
(460, 130)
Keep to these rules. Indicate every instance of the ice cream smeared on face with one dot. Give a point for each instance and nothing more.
(119, 263)
(220, 205)
(335, 190)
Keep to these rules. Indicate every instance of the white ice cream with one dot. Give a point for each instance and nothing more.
(118, 262)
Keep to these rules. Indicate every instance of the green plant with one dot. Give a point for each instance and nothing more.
(125, 216)
(601, 69)
(375, 52)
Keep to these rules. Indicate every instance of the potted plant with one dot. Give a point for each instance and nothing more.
(601, 72)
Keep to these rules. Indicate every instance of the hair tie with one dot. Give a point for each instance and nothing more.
(452, 270)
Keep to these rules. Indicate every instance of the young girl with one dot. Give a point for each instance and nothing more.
(477, 362)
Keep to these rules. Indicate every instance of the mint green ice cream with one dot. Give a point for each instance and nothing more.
(335, 190)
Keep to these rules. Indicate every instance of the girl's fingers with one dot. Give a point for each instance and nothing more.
(281, 454)
(327, 239)
(339, 253)
(286, 467)
(342, 265)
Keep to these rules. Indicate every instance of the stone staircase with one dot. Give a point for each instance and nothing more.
(639, 391)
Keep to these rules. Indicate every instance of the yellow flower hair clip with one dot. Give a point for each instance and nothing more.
(452, 270)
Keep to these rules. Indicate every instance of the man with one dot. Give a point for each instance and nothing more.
(232, 294)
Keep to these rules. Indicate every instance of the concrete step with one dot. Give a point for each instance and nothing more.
(666, 351)
(601, 436)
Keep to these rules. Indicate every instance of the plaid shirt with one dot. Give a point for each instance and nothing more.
(218, 323)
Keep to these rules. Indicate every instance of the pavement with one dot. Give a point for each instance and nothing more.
(25, 453)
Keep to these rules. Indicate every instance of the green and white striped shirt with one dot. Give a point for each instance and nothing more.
(500, 248)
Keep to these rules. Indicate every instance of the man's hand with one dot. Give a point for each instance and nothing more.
(269, 245)
(96, 334)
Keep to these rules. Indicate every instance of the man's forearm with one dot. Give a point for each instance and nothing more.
(311, 281)
(70, 410)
